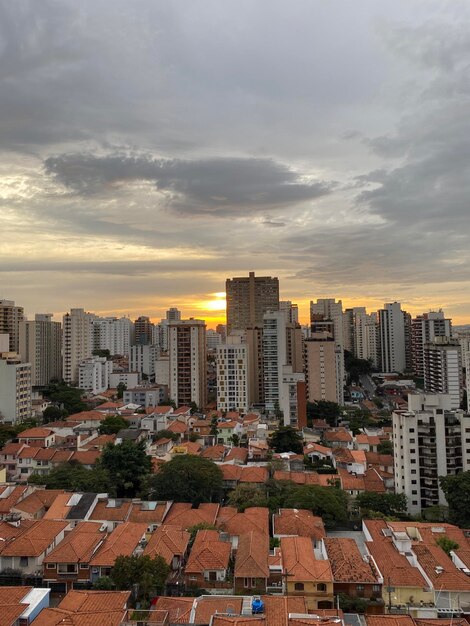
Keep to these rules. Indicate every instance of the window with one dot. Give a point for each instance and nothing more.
(299, 586)
(360, 588)
(376, 588)
(51, 566)
(84, 566)
(321, 587)
(23, 561)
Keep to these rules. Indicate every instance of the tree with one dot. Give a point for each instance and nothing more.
(286, 439)
(112, 424)
(356, 367)
(194, 407)
(247, 495)
(187, 478)
(330, 503)
(72, 476)
(121, 388)
(6, 433)
(53, 414)
(193, 530)
(447, 544)
(146, 575)
(456, 489)
(385, 447)
(234, 440)
(389, 504)
(127, 465)
(104, 583)
(351, 604)
(166, 434)
(68, 397)
(324, 409)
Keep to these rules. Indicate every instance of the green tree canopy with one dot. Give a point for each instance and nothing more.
(73, 476)
(246, 495)
(457, 492)
(356, 367)
(112, 424)
(6, 433)
(53, 414)
(121, 388)
(329, 503)
(69, 397)
(447, 544)
(324, 409)
(385, 447)
(187, 478)
(286, 439)
(389, 504)
(127, 465)
(166, 434)
(146, 575)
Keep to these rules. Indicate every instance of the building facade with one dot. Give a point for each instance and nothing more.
(188, 362)
(248, 299)
(77, 343)
(425, 328)
(15, 389)
(442, 369)
(392, 338)
(41, 345)
(10, 318)
(232, 375)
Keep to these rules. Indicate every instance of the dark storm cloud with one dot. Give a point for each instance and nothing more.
(219, 186)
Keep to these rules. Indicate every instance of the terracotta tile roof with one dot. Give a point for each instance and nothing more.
(159, 410)
(44, 454)
(253, 474)
(395, 566)
(142, 512)
(168, 542)
(78, 545)
(349, 482)
(35, 433)
(389, 620)
(59, 617)
(99, 441)
(122, 541)
(117, 513)
(13, 595)
(179, 609)
(184, 516)
(316, 447)
(432, 558)
(28, 452)
(86, 457)
(374, 458)
(85, 601)
(182, 410)
(373, 481)
(216, 453)
(347, 563)
(12, 448)
(38, 500)
(9, 531)
(109, 405)
(35, 540)
(359, 456)
(341, 435)
(299, 478)
(252, 556)
(224, 425)
(59, 508)
(208, 553)
(86, 416)
(298, 522)
(299, 561)
(218, 620)
(464, 556)
(9, 613)
(192, 447)
(343, 455)
(16, 494)
(253, 519)
(277, 608)
(206, 607)
(177, 426)
(61, 456)
(238, 454)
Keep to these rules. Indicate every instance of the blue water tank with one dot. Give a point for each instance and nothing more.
(257, 606)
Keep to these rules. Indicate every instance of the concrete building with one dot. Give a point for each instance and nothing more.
(113, 334)
(130, 379)
(41, 345)
(10, 318)
(293, 398)
(366, 336)
(151, 396)
(323, 367)
(291, 311)
(162, 370)
(4, 342)
(173, 314)
(93, 374)
(425, 328)
(254, 340)
(429, 440)
(463, 337)
(274, 357)
(15, 388)
(328, 309)
(213, 339)
(248, 299)
(143, 331)
(142, 359)
(77, 343)
(392, 338)
(443, 369)
(232, 375)
(188, 362)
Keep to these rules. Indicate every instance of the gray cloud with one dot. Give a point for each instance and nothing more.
(221, 186)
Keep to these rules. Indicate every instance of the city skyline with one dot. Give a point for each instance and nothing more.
(150, 150)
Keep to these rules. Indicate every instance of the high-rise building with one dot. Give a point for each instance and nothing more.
(248, 299)
(41, 345)
(425, 328)
(392, 338)
(291, 310)
(77, 343)
(173, 314)
(293, 398)
(327, 309)
(254, 340)
(188, 362)
(10, 318)
(15, 389)
(429, 440)
(222, 330)
(443, 369)
(142, 359)
(213, 339)
(232, 375)
(323, 367)
(143, 331)
(94, 373)
(113, 334)
(366, 336)
(274, 357)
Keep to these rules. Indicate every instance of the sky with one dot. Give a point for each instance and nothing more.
(151, 149)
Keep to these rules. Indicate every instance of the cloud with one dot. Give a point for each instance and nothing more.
(219, 186)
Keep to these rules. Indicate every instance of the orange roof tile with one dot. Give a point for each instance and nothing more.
(146, 512)
(349, 482)
(38, 500)
(35, 433)
(347, 563)
(179, 609)
(253, 519)
(79, 545)
(252, 556)
(253, 474)
(168, 542)
(15, 496)
(299, 561)
(394, 566)
(389, 620)
(432, 559)
(84, 601)
(298, 522)
(216, 453)
(117, 513)
(278, 608)
(86, 457)
(59, 617)
(122, 541)
(208, 553)
(184, 516)
(206, 607)
(338, 435)
(35, 540)
(239, 454)
(177, 426)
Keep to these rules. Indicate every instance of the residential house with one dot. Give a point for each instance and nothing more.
(37, 437)
(251, 571)
(208, 562)
(125, 540)
(171, 544)
(19, 606)
(298, 523)
(36, 504)
(338, 438)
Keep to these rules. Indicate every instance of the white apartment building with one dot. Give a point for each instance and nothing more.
(93, 374)
(142, 359)
(10, 318)
(291, 311)
(77, 343)
(292, 397)
(425, 328)
(232, 375)
(392, 338)
(330, 309)
(442, 369)
(274, 357)
(430, 439)
(366, 335)
(162, 370)
(113, 334)
(41, 345)
(15, 389)
(213, 339)
(130, 379)
(188, 362)
(151, 396)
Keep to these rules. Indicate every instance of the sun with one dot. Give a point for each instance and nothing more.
(217, 304)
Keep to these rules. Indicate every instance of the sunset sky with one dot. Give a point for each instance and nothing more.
(151, 149)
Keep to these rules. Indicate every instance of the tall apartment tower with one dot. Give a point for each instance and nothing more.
(15, 389)
(443, 369)
(425, 328)
(233, 392)
(392, 338)
(429, 440)
(366, 336)
(10, 318)
(188, 362)
(274, 357)
(143, 331)
(323, 359)
(254, 340)
(41, 345)
(113, 334)
(77, 342)
(248, 299)
(328, 309)
(173, 314)
(291, 310)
